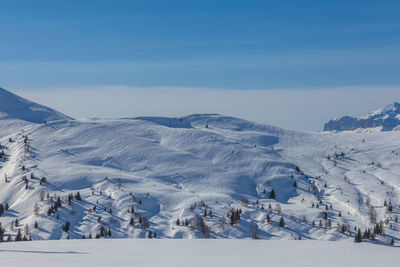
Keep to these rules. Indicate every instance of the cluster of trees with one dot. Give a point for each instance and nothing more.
(234, 216)
(103, 232)
(185, 222)
(204, 228)
(53, 208)
(71, 197)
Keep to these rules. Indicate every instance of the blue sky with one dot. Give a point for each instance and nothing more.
(239, 45)
(220, 44)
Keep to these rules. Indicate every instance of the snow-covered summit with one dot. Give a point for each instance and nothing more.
(17, 112)
(16, 107)
(384, 119)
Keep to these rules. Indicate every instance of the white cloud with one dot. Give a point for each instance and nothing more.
(289, 108)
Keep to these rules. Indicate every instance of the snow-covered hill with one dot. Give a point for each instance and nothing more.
(197, 176)
(385, 119)
(16, 112)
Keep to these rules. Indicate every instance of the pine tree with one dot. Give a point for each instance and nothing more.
(358, 237)
(66, 227)
(131, 221)
(178, 222)
(272, 194)
(281, 222)
(19, 236)
(70, 199)
(295, 184)
(58, 203)
(102, 231)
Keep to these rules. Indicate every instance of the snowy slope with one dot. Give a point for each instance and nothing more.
(176, 168)
(179, 253)
(16, 112)
(385, 119)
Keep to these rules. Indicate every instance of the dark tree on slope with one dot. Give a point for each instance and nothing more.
(272, 194)
(102, 231)
(234, 217)
(390, 207)
(70, 197)
(281, 222)
(1, 210)
(66, 227)
(58, 203)
(144, 222)
(358, 237)
(204, 228)
(1, 234)
(19, 236)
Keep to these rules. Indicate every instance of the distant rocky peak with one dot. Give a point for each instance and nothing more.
(384, 119)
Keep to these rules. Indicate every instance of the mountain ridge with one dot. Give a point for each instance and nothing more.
(384, 119)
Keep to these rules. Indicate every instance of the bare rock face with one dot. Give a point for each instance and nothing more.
(387, 119)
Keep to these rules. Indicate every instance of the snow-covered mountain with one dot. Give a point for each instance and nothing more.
(16, 112)
(385, 119)
(204, 175)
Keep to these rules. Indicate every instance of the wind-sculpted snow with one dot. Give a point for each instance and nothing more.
(138, 177)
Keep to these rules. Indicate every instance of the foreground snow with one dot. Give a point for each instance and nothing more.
(144, 252)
